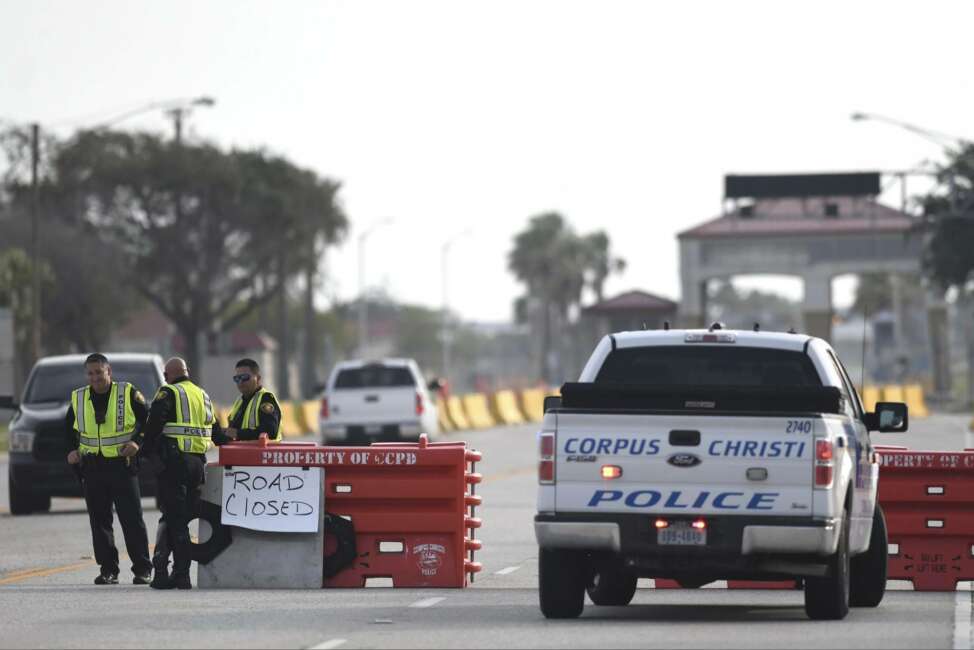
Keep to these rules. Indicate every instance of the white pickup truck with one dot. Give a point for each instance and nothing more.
(703, 455)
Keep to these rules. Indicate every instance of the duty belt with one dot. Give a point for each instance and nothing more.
(176, 430)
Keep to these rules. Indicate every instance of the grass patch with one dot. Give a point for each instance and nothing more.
(4, 437)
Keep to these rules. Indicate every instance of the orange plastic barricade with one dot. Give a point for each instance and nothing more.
(928, 498)
(412, 507)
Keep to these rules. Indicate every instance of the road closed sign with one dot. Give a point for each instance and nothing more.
(273, 499)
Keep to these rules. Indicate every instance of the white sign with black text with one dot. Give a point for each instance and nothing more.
(273, 499)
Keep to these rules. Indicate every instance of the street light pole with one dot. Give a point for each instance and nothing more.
(363, 315)
(445, 333)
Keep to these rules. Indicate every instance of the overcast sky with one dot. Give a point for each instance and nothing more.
(623, 116)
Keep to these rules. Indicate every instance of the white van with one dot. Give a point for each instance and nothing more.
(377, 401)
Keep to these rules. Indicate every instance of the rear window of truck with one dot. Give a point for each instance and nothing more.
(708, 365)
(375, 377)
(55, 382)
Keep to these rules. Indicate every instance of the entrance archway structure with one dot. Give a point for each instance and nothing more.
(817, 227)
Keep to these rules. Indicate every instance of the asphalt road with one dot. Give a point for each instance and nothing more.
(47, 599)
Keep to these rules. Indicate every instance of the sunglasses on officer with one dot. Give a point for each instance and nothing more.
(242, 377)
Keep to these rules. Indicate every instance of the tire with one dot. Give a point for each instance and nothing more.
(21, 501)
(42, 503)
(868, 581)
(612, 588)
(562, 575)
(827, 599)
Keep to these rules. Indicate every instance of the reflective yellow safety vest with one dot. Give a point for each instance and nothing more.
(193, 421)
(108, 437)
(251, 416)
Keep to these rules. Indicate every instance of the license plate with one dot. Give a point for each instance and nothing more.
(676, 535)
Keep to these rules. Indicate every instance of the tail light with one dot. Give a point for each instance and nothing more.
(324, 408)
(824, 463)
(611, 471)
(419, 404)
(546, 462)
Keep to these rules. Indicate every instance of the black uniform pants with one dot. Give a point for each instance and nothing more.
(108, 482)
(180, 484)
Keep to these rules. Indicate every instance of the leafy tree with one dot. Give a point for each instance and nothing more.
(949, 252)
(557, 265)
(197, 226)
(948, 256)
(15, 287)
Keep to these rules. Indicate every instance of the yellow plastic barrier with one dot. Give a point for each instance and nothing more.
(289, 422)
(915, 401)
(222, 414)
(443, 416)
(870, 395)
(505, 408)
(478, 414)
(893, 393)
(454, 408)
(308, 415)
(532, 404)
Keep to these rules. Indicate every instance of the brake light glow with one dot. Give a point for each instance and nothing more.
(324, 408)
(824, 463)
(711, 338)
(699, 524)
(419, 404)
(662, 523)
(823, 450)
(611, 471)
(546, 462)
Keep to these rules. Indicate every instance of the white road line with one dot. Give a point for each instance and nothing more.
(962, 620)
(330, 644)
(507, 571)
(429, 602)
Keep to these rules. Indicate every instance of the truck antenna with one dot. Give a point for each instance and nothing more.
(666, 325)
(757, 327)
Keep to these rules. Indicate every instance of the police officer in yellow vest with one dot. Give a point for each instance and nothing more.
(256, 411)
(179, 430)
(105, 423)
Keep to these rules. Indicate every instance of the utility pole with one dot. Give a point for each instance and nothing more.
(363, 308)
(446, 335)
(35, 275)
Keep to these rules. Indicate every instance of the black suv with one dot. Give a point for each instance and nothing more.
(38, 449)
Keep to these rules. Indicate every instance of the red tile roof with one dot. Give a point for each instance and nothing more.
(632, 301)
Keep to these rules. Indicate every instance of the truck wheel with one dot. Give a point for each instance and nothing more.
(868, 585)
(42, 503)
(827, 599)
(21, 501)
(612, 587)
(562, 575)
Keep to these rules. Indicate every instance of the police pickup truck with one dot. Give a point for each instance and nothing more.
(703, 455)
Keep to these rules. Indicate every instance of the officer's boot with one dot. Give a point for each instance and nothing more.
(180, 566)
(160, 560)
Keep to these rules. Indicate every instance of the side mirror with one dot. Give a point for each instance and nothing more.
(435, 385)
(890, 417)
(552, 402)
(7, 402)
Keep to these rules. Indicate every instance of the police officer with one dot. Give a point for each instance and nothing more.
(104, 424)
(179, 431)
(256, 411)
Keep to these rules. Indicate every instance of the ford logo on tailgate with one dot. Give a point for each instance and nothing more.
(683, 460)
